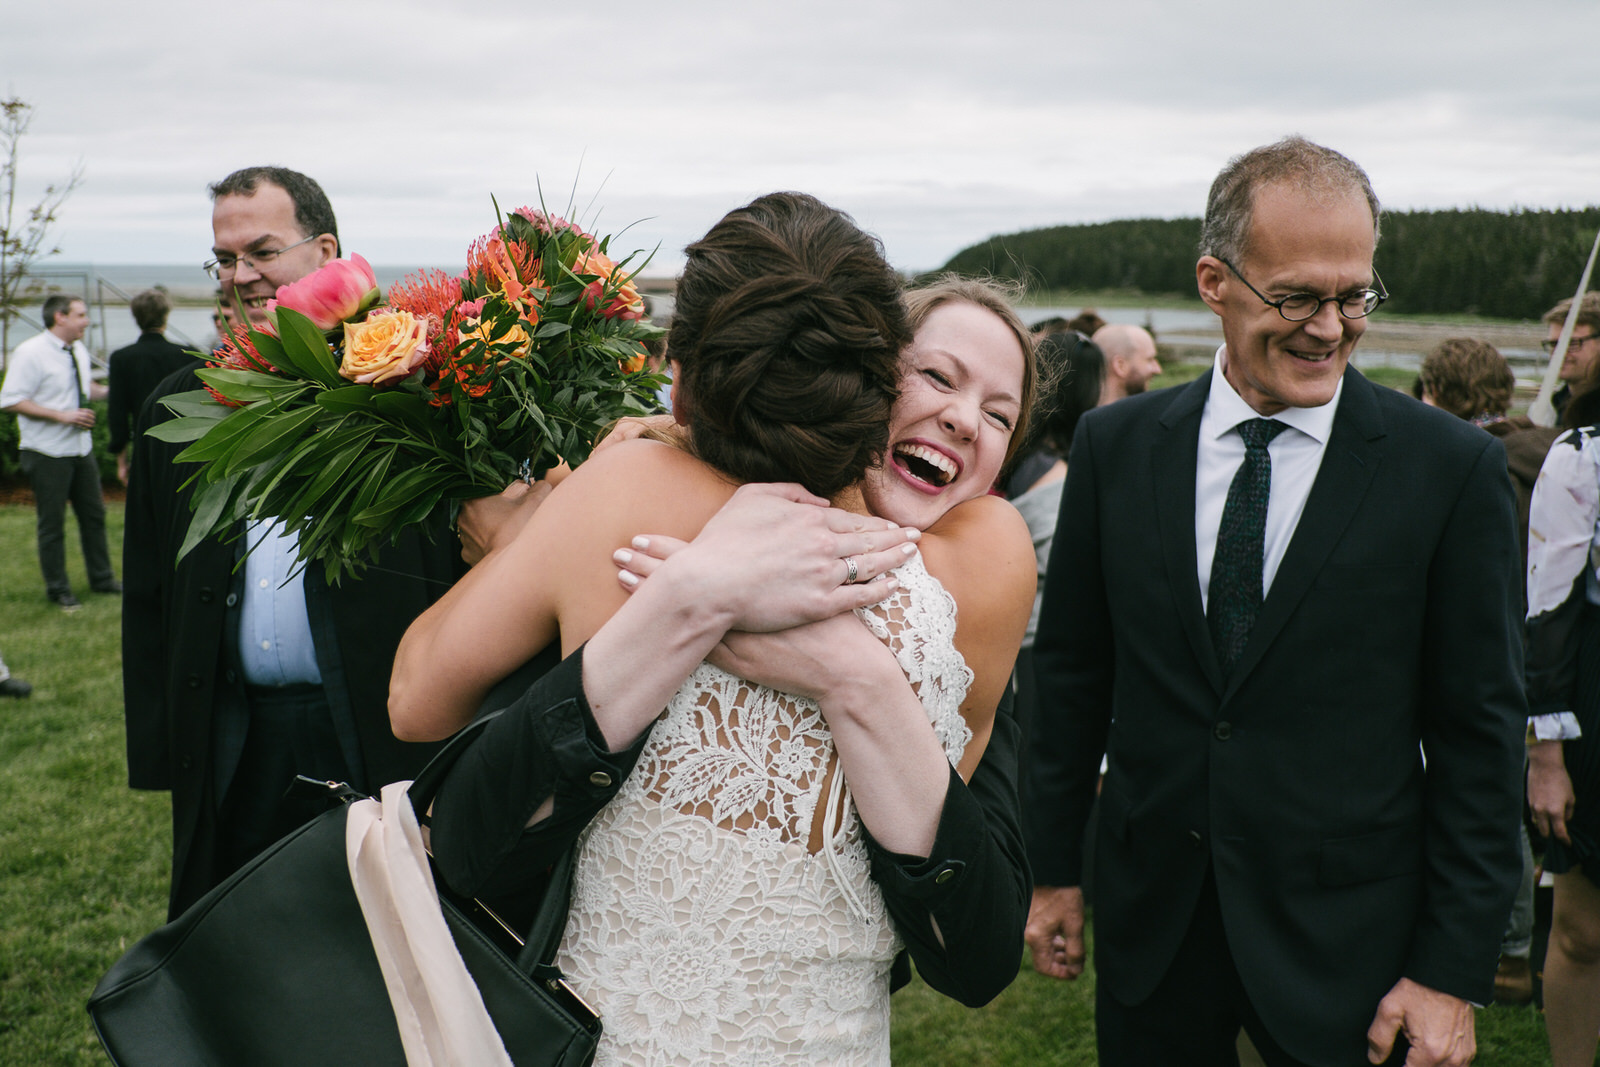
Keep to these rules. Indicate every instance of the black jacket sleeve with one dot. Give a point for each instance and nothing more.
(545, 744)
(962, 909)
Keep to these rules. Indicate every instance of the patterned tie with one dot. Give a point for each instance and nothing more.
(1235, 594)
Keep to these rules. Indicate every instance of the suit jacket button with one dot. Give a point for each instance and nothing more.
(1222, 731)
(1196, 839)
(944, 876)
(205, 595)
(194, 681)
(599, 779)
(233, 598)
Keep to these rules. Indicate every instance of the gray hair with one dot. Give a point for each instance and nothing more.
(1295, 160)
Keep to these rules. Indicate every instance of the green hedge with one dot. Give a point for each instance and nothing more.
(1506, 264)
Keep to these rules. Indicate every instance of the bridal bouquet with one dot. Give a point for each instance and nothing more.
(349, 416)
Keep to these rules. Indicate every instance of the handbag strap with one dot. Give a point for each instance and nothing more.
(544, 936)
(426, 785)
(549, 923)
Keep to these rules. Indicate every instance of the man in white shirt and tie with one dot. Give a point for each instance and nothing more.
(48, 387)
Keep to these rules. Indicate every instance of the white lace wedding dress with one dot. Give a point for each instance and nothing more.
(704, 927)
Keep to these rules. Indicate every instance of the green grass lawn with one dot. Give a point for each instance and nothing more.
(84, 860)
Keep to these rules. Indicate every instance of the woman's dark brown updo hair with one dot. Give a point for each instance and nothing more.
(787, 333)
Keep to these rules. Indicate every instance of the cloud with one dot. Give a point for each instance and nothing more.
(936, 124)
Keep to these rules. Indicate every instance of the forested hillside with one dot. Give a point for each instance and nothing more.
(1507, 264)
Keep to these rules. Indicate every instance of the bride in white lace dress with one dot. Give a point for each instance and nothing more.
(723, 908)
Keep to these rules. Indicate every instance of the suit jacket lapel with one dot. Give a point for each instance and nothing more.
(1348, 465)
(1174, 455)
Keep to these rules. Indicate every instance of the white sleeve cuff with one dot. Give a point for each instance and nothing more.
(1557, 726)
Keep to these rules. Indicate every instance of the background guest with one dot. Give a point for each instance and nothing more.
(48, 387)
(1131, 360)
(1471, 380)
(136, 368)
(1071, 372)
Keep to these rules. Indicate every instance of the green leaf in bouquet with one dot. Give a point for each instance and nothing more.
(564, 293)
(421, 506)
(410, 407)
(180, 431)
(309, 500)
(196, 403)
(550, 329)
(210, 503)
(223, 435)
(349, 399)
(251, 386)
(399, 494)
(270, 437)
(276, 474)
(268, 347)
(373, 483)
(307, 349)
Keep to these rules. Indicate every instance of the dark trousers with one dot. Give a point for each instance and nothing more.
(1194, 1016)
(56, 481)
(291, 733)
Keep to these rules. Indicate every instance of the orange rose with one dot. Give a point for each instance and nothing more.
(625, 302)
(388, 346)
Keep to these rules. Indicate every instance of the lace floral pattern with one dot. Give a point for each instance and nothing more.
(702, 927)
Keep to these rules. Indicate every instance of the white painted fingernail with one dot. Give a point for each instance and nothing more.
(913, 534)
(622, 556)
(641, 543)
(908, 549)
(628, 578)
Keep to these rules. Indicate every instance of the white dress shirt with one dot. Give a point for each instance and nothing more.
(1296, 456)
(41, 371)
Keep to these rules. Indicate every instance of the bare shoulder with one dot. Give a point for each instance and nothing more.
(982, 547)
(631, 488)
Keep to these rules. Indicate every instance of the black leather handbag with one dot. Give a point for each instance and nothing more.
(275, 965)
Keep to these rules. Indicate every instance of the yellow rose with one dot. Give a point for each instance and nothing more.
(388, 346)
(514, 337)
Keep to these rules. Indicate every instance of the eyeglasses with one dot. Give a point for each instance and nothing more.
(1577, 342)
(259, 260)
(1298, 307)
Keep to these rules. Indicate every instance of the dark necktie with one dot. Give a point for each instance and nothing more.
(1235, 595)
(77, 379)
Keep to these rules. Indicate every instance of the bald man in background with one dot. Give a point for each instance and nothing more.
(1130, 360)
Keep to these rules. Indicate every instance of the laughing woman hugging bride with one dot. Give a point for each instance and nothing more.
(724, 909)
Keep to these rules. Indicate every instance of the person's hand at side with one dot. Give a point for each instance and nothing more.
(1054, 933)
(1550, 796)
(1438, 1026)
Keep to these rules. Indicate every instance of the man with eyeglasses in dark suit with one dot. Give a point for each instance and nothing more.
(238, 675)
(1282, 603)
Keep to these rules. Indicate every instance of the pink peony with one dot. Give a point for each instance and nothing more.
(329, 296)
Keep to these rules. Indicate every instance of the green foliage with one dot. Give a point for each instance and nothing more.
(1505, 264)
(1149, 255)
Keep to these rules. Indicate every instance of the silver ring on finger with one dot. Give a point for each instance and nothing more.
(850, 571)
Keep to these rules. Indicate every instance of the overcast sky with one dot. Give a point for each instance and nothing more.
(935, 123)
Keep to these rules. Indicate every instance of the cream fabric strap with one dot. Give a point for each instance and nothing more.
(437, 1005)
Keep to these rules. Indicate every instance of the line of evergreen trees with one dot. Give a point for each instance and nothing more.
(1514, 264)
